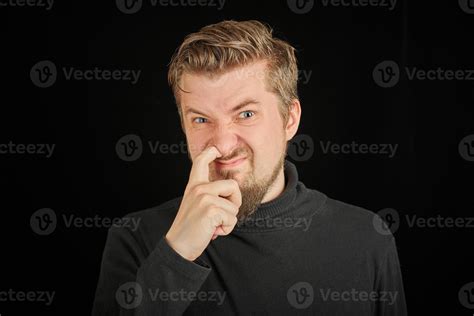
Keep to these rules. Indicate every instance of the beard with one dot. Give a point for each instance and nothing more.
(252, 189)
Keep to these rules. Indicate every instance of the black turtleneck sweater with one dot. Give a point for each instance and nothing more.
(301, 253)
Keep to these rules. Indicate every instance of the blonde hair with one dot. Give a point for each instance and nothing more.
(223, 46)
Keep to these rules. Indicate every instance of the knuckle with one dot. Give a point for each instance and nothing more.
(203, 199)
(214, 210)
(214, 215)
(198, 190)
(235, 210)
(240, 199)
(233, 220)
(208, 198)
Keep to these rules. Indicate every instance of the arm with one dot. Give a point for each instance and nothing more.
(389, 284)
(130, 280)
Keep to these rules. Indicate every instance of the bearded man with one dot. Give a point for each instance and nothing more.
(246, 237)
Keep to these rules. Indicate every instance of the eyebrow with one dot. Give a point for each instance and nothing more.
(233, 110)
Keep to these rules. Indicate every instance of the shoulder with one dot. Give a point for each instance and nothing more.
(353, 225)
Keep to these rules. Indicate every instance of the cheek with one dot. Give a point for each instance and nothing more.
(262, 146)
(251, 139)
(271, 140)
(265, 139)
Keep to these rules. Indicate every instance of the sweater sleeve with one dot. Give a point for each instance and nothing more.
(134, 283)
(389, 285)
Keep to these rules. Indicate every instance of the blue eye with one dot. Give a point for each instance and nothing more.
(248, 112)
(202, 118)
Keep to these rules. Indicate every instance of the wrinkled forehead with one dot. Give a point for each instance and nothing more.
(226, 88)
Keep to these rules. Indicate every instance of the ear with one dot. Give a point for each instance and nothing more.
(294, 116)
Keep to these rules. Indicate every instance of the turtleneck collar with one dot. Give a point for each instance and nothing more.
(280, 207)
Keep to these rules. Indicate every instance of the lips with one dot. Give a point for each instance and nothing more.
(230, 163)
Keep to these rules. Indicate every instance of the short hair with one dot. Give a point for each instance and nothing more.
(226, 45)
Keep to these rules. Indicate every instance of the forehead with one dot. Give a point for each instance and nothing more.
(226, 88)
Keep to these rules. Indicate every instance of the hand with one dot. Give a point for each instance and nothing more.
(207, 210)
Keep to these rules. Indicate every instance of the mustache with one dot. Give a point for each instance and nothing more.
(234, 154)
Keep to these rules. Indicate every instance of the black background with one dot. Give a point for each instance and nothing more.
(341, 103)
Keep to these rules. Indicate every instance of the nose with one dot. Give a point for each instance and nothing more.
(225, 139)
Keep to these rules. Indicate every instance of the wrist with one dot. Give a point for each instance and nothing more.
(178, 249)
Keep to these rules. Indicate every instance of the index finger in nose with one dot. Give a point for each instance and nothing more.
(200, 169)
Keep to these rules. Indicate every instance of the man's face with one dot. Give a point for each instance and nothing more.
(237, 114)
